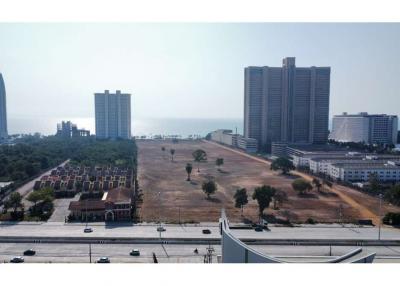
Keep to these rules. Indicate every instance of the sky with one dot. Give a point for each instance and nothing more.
(189, 70)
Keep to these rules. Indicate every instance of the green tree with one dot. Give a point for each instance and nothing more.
(31, 169)
(317, 184)
(209, 188)
(241, 199)
(172, 151)
(199, 156)
(393, 195)
(263, 195)
(219, 162)
(34, 197)
(279, 198)
(301, 186)
(374, 185)
(188, 169)
(283, 164)
(14, 201)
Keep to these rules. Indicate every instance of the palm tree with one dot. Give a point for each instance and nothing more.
(188, 170)
(163, 150)
(172, 151)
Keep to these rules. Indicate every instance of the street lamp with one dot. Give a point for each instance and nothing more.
(380, 216)
(159, 229)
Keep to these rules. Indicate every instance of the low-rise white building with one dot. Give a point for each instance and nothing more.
(385, 172)
(248, 144)
(225, 136)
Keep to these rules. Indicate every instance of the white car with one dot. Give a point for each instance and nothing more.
(87, 230)
(103, 260)
(17, 259)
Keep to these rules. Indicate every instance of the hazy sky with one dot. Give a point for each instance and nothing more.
(189, 70)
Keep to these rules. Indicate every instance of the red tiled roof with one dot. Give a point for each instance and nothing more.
(91, 205)
(118, 195)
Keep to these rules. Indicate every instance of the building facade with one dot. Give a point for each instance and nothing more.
(113, 115)
(364, 127)
(3, 110)
(286, 104)
(225, 136)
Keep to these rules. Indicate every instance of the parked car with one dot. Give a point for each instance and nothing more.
(135, 252)
(87, 230)
(29, 252)
(17, 259)
(103, 260)
(161, 229)
(206, 231)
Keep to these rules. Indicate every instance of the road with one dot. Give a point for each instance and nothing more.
(61, 209)
(119, 253)
(59, 229)
(26, 188)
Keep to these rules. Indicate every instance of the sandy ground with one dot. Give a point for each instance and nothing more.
(164, 184)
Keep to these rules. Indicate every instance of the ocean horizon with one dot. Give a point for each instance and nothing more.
(140, 127)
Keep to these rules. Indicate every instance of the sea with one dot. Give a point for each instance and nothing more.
(183, 127)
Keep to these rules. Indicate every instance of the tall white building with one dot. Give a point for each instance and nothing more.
(113, 115)
(364, 127)
(3, 110)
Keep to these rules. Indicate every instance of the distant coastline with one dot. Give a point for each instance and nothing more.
(144, 126)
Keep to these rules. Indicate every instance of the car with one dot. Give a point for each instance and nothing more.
(87, 230)
(206, 231)
(161, 229)
(17, 259)
(258, 228)
(103, 260)
(135, 252)
(29, 252)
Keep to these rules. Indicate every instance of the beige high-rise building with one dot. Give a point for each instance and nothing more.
(113, 115)
(286, 104)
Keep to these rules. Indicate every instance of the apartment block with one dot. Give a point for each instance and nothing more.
(286, 104)
(113, 115)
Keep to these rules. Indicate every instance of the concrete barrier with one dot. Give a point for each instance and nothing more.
(235, 251)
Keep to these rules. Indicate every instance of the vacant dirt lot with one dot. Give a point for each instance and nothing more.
(164, 184)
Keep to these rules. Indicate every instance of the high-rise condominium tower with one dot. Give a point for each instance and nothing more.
(113, 115)
(286, 104)
(3, 110)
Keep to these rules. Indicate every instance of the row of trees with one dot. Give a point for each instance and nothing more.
(264, 195)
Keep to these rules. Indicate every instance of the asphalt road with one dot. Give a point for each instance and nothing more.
(60, 229)
(26, 188)
(119, 253)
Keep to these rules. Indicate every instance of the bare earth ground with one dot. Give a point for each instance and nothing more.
(164, 183)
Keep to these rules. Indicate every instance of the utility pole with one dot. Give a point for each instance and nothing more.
(179, 211)
(90, 253)
(208, 256)
(380, 216)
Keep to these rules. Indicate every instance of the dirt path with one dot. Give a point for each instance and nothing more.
(363, 210)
